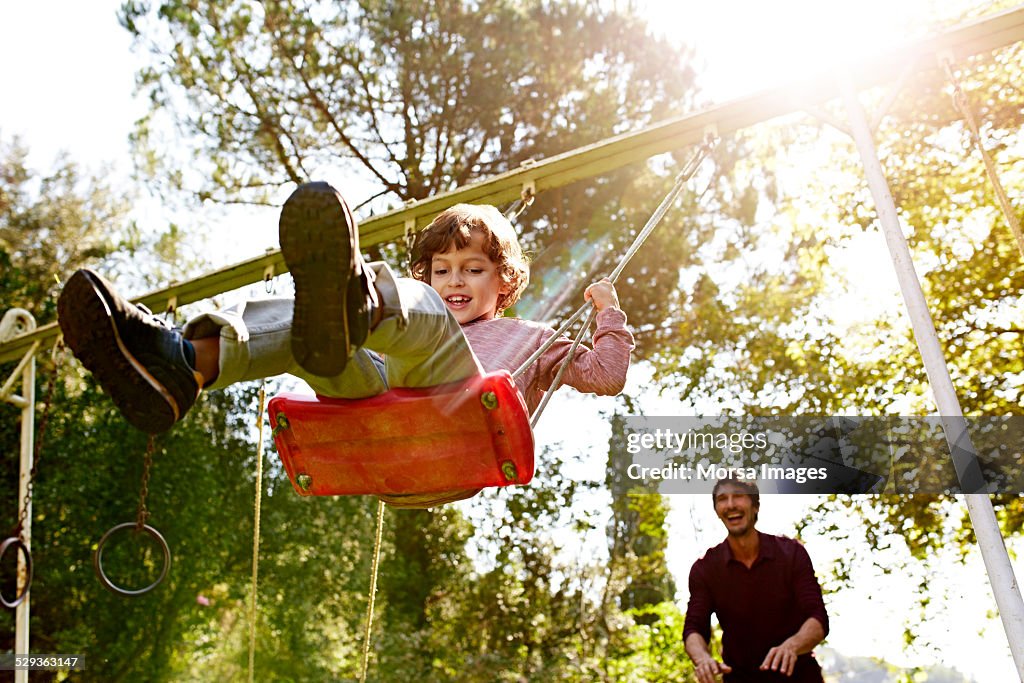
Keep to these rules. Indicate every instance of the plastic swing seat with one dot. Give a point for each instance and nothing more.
(469, 434)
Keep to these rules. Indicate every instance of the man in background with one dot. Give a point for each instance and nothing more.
(763, 589)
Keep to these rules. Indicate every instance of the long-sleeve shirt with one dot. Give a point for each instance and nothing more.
(758, 607)
(504, 343)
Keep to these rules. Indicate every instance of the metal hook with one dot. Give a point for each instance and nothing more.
(269, 284)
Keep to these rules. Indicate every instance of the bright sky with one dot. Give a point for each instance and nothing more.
(68, 86)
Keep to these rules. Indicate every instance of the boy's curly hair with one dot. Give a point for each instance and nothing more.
(455, 227)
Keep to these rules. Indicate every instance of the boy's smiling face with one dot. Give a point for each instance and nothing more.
(468, 281)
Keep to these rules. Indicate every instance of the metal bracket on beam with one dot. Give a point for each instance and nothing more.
(268, 278)
(15, 322)
(529, 192)
(410, 233)
(828, 119)
(711, 136)
(946, 59)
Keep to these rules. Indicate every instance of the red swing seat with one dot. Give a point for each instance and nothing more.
(469, 434)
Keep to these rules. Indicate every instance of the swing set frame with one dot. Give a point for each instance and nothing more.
(21, 340)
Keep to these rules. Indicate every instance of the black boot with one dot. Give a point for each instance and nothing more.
(334, 293)
(135, 356)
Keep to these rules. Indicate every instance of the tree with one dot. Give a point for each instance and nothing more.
(767, 335)
(421, 97)
(973, 275)
(637, 536)
(51, 224)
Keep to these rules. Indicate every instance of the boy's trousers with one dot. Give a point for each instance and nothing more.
(422, 342)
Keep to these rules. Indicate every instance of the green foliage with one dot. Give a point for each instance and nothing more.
(734, 301)
(418, 96)
(972, 272)
(638, 573)
(654, 649)
(51, 224)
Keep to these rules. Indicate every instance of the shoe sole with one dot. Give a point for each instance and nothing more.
(319, 241)
(91, 333)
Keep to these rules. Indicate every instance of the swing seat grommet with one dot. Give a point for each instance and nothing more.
(282, 424)
(508, 468)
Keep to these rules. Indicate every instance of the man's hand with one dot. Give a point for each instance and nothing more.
(781, 658)
(709, 669)
(603, 294)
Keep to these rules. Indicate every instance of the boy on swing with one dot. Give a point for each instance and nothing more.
(442, 325)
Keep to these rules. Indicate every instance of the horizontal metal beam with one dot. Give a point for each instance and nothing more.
(982, 35)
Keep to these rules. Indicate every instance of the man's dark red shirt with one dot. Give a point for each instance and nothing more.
(758, 607)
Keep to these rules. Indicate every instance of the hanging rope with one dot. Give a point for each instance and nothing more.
(964, 106)
(373, 591)
(256, 529)
(659, 213)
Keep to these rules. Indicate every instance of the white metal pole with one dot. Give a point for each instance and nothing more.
(28, 430)
(18, 321)
(979, 506)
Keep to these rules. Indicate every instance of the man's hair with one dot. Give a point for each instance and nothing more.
(748, 487)
(454, 227)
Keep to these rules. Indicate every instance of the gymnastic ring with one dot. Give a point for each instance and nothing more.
(20, 545)
(97, 560)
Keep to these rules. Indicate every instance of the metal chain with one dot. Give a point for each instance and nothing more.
(44, 420)
(142, 514)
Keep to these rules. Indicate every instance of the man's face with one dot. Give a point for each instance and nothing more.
(735, 508)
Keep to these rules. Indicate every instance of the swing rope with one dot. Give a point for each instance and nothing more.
(659, 213)
(373, 591)
(964, 106)
(256, 531)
